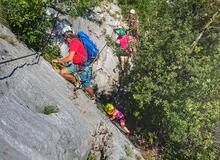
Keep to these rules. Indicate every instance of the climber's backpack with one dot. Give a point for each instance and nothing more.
(91, 49)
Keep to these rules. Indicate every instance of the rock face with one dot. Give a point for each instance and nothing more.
(26, 87)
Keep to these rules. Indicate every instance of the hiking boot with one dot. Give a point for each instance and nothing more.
(77, 85)
(93, 99)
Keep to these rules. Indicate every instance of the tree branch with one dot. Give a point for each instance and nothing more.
(203, 31)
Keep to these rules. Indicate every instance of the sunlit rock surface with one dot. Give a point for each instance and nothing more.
(28, 134)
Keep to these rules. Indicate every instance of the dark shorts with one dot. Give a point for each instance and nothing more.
(84, 75)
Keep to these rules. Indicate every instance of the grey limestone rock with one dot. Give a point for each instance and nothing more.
(26, 87)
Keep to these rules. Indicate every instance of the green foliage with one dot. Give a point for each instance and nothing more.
(175, 79)
(2, 16)
(28, 20)
(128, 151)
(74, 8)
(83, 5)
(137, 157)
(52, 52)
(91, 156)
(50, 109)
(152, 138)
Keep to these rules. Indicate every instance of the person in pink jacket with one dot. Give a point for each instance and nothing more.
(123, 39)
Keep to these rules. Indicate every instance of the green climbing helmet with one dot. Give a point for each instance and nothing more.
(109, 108)
(122, 32)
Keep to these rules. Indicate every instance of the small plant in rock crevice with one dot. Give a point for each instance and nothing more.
(50, 109)
(128, 151)
(91, 156)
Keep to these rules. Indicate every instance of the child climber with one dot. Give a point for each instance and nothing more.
(114, 113)
(123, 39)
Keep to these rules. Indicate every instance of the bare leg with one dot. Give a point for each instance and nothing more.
(67, 75)
(134, 49)
(124, 59)
(124, 128)
(122, 62)
(90, 91)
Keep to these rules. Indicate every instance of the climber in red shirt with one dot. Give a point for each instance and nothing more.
(75, 69)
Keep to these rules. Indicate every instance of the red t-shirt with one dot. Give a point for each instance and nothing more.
(80, 53)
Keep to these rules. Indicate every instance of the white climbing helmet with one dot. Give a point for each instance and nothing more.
(67, 30)
(132, 11)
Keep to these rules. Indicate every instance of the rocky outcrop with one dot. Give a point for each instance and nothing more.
(26, 87)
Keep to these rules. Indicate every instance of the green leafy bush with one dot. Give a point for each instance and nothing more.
(174, 83)
(52, 52)
(83, 5)
(27, 19)
(2, 16)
